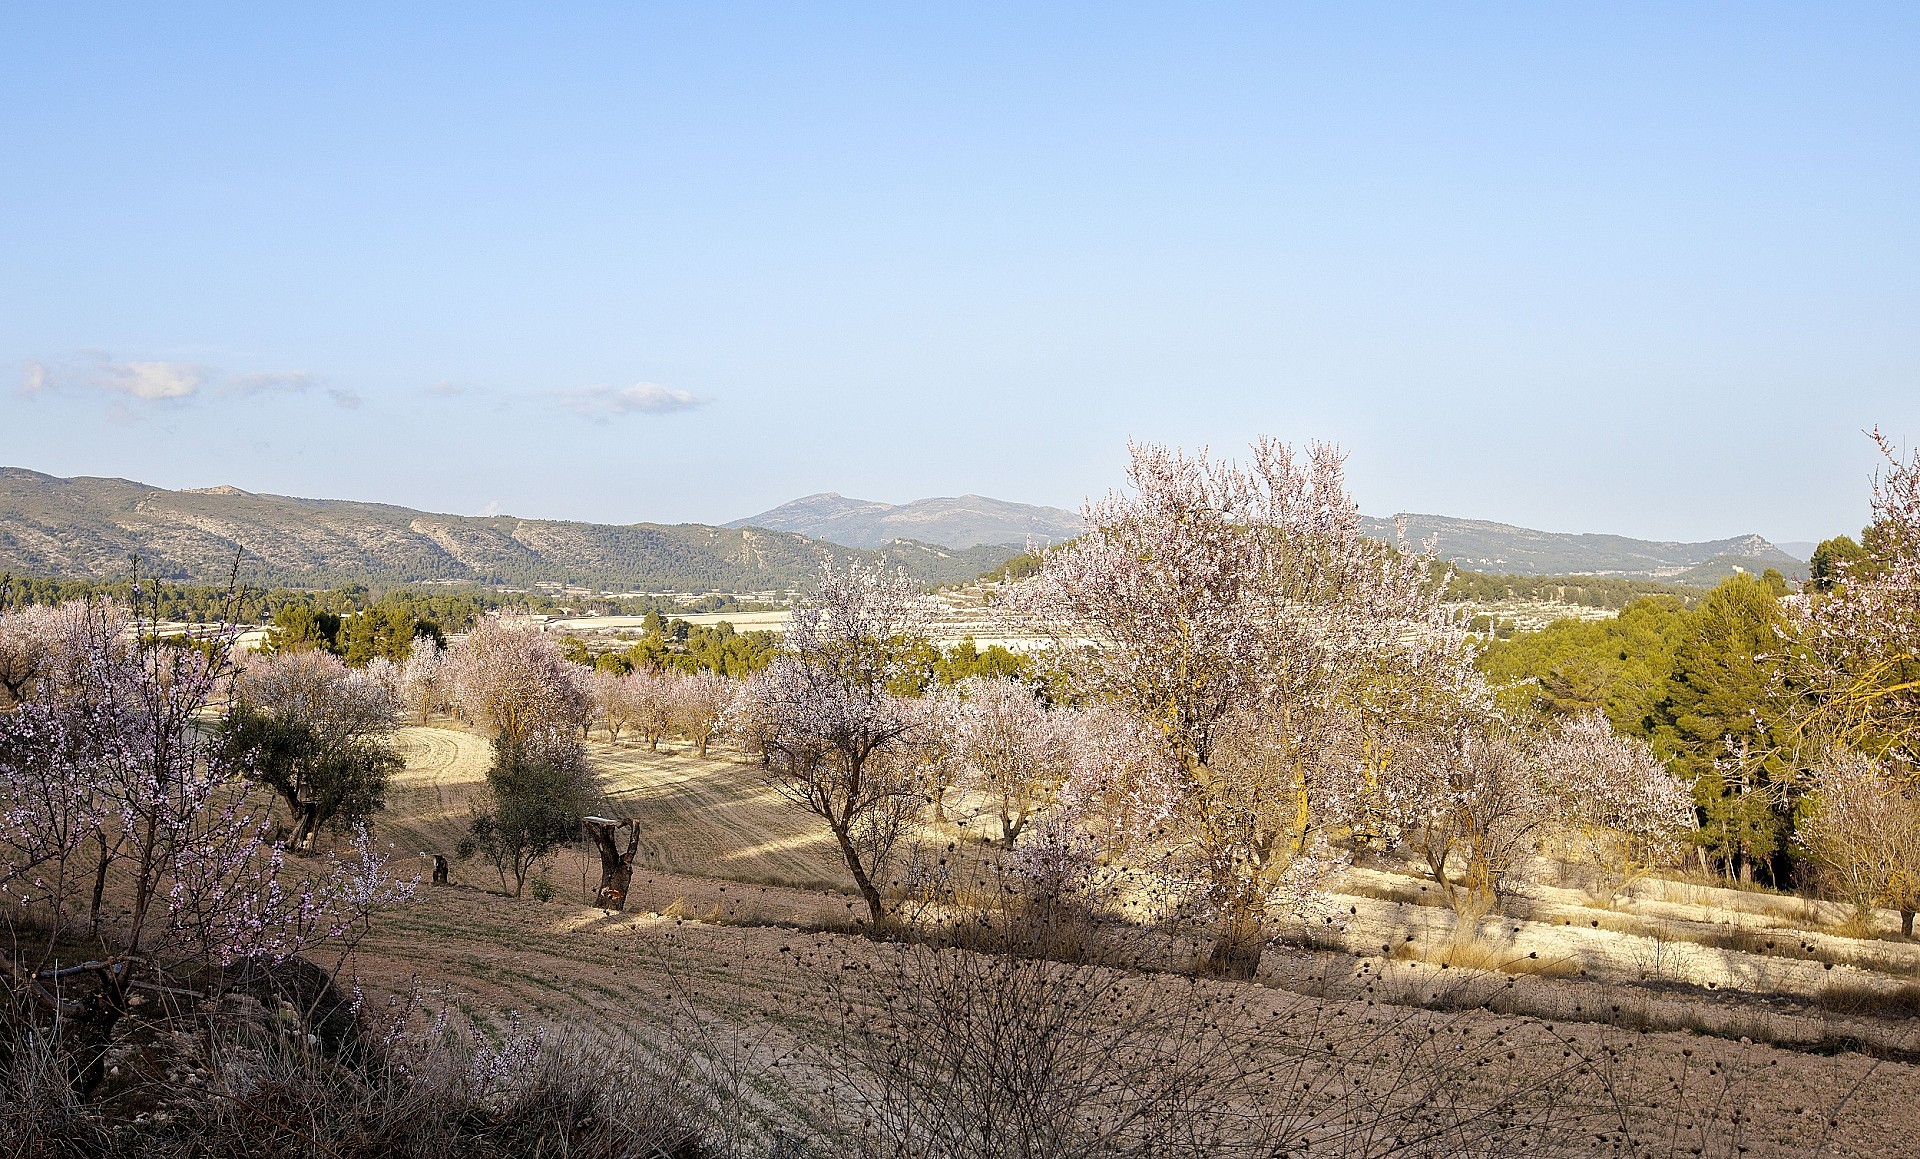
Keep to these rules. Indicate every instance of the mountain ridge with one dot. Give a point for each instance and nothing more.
(956, 521)
(88, 527)
(1503, 548)
(1475, 544)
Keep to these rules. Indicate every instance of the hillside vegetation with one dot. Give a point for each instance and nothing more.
(88, 528)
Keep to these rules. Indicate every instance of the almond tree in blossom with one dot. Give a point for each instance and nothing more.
(1119, 788)
(836, 741)
(1857, 667)
(700, 703)
(343, 705)
(653, 701)
(1229, 609)
(1411, 707)
(611, 703)
(1009, 748)
(424, 677)
(1484, 808)
(26, 642)
(517, 682)
(1619, 801)
(111, 756)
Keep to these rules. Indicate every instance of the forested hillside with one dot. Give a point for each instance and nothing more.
(88, 528)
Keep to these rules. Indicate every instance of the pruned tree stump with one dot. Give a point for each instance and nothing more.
(616, 864)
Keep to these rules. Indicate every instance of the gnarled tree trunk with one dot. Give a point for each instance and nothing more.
(1240, 940)
(616, 864)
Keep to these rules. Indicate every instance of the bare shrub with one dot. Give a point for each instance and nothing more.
(948, 1054)
(226, 1090)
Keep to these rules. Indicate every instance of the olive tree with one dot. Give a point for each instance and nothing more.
(317, 733)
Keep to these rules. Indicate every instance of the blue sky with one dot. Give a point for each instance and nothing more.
(1641, 269)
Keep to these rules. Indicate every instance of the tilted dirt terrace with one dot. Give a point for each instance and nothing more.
(750, 996)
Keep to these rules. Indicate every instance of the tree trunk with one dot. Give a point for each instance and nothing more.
(305, 828)
(1238, 947)
(616, 866)
(1010, 827)
(1906, 923)
(99, 884)
(441, 870)
(876, 905)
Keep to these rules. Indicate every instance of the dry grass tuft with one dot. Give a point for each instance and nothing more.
(1479, 955)
(1871, 1001)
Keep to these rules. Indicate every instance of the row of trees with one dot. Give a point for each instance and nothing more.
(1288, 692)
(1243, 692)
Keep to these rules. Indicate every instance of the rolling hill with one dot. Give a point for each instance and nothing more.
(88, 528)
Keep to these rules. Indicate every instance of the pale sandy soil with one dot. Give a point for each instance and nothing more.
(720, 845)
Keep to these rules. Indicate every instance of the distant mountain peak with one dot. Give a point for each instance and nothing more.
(956, 522)
(222, 489)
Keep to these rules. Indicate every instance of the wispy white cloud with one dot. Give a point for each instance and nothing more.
(149, 381)
(294, 381)
(602, 402)
(137, 383)
(446, 389)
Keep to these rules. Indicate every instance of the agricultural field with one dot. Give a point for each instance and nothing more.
(738, 921)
